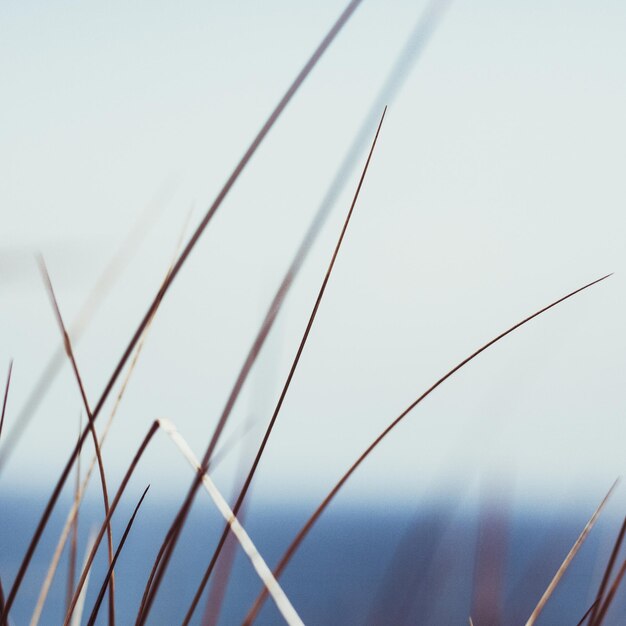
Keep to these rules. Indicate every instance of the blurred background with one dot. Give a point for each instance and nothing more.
(497, 186)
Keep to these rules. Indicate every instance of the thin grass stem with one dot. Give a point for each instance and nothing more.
(96, 608)
(333, 492)
(92, 429)
(292, 370)
(569, 558)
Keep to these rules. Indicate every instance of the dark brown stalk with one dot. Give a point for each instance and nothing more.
(333, 492)
(6, 396)
(129, 472)
(92, 429)
(71, 574)
(254, 350)
(607, 574)
(292, 370)
(610, 595)
(241, 165)
(415, 43)
(583, 619)
(98, 293)
(96, 608)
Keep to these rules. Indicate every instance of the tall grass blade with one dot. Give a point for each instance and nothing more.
(98, 538)
(292, 370)
(257, 561)
(333, 492)
(172, 535)
(96, 608)
(92, 429)
(568, 559)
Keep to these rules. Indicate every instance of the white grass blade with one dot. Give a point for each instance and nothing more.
(265, 574)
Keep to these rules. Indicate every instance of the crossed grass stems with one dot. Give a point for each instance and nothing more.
(76, 593)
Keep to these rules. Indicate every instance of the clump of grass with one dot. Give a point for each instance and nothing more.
(270, 579)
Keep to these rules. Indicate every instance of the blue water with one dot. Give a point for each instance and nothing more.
(361, 565)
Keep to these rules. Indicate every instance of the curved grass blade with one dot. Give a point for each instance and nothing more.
(333, 492)
(92, 429)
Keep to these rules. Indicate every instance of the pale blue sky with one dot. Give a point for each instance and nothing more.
(498, 185)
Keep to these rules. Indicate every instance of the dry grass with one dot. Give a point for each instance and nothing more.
(76, 590)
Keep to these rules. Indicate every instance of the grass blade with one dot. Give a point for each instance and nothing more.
(333, 492)
(89, 560)
(568, 559)
(166, 550)
(96, 608)
(92, 429)
(265, 574)
(294, 365)
(43, 593)
(583, 619)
